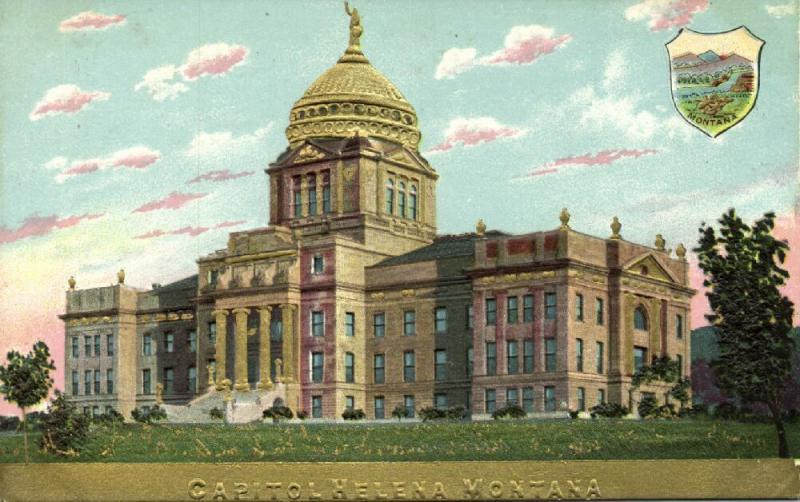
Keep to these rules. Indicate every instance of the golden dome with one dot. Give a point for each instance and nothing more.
(353, 96)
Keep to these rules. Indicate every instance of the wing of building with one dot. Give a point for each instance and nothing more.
(350, 299)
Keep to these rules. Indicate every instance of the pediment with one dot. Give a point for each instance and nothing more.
(649, 266)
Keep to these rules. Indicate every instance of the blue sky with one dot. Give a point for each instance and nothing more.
(601, 86)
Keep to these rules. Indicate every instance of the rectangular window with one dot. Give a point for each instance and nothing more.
(579, 307)
(440, 401)
(312, 195)
(317, 367)
(349, 324)
(191, 378)
(97, 381)
(527, 308)
(470, 317)
(578, 354)
(379, 368)
(96, 345)
(527, 399)
(379, 324)
(408, 402)
(380, 407)
(409, 366)
(549, 398)
(440, 365)
(679, 326)
(95, 411)
(75, 348)
(512, 396)
(491, 358)
(491, 312)
(512, 309)
(87, 346)
(550, 354)
(549, 305)
(440, 319)
(512, 357)
(75, 383)
(146, 381)
(212, 333)
(600, 357)
(601, 396)
(169, 380)
(326, 192)
(349, 402)
(109, 381)
(317, 323)
(409, 322)
(490, 401)
(599, 314)
(317, 264)
(581, 399)
(297, 197)
(639, 357)
(316, 406)
(87, 382)
(110, 345)
(470, 362)
(349, 367)
(191, 341)
(169, 342)
(527, 356)
(147, 344)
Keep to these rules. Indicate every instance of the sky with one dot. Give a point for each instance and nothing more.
(135, 134)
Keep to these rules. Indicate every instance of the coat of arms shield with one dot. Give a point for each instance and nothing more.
(714, 77)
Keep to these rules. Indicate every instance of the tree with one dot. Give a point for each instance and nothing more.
(742, 267)
(25, 380)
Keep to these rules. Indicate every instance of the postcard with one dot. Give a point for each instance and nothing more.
(385, 250)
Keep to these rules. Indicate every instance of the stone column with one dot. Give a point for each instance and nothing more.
(287, 318)
(265, 320)
(222, 331)
(240, 367)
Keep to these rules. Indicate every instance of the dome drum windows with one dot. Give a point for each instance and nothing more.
(401, 199)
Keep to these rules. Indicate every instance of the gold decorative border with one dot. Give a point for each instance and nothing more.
(478, 480)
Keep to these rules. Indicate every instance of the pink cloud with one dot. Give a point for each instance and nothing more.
(65, 98)
(218, 176)
(604, 157)
(191, 231)
(474, 131)
(225, 224)
(41, 225)
(82, 167)
(213, 59)
(665, 14)
(174, 200)
(90, 21)
(137, 157)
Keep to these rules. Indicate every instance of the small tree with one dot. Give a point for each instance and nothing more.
(25, 380)
(64, 429)
(742, 267)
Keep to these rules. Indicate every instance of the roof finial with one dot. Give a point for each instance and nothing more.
(480, 227)
(564, 217)
(616, 226)
(355, 29)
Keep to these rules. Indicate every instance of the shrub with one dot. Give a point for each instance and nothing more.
(431, 413)
(10, 423)
(277, 413)
(573, 414)
(727, 411)
(64, 428)
(216, 413)
(357, 414)
(109, 418)
(400, 412)
(648, 406)
(456, 413)
(149, 415)
(509, 411)
(608, 410)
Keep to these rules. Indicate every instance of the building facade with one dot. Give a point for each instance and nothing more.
(350, 299)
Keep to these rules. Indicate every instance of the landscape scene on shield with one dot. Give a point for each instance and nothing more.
(713, 89)
(238, 241)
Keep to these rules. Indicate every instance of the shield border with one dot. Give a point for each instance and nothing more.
(758, 76)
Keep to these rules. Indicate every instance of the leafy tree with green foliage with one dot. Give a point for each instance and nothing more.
(400, 412)
(742, 267)
(64, 428)
(25, 380)
(667, 370)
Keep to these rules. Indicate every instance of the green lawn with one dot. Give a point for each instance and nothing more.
(522, 440)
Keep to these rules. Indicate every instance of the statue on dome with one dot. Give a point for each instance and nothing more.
(355, 25)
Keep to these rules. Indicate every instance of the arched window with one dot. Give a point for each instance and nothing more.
(640, 318)
(326, 192)
(401, 200)
(389, 196)
(412, 202)
(312, 194)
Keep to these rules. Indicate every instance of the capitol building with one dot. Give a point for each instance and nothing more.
(349, 299)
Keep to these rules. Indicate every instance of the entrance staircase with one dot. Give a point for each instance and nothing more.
(244, 406)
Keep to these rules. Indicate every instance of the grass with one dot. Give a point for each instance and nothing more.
(505, 440)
